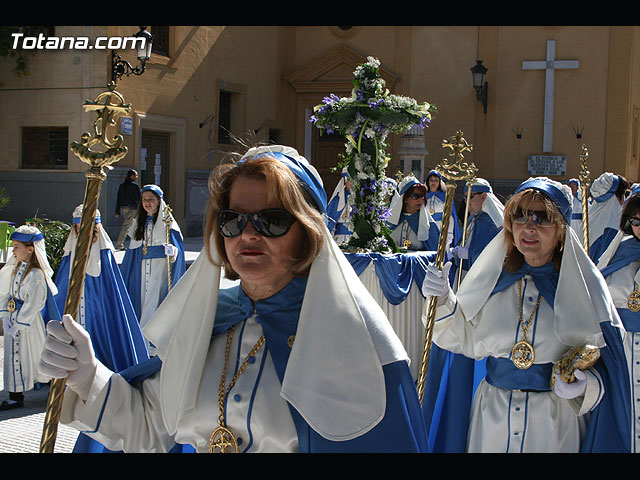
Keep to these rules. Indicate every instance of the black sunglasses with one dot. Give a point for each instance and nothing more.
(539, 218)
(634, 221)
(271, 222)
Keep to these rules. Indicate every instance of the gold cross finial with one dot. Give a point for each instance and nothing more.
(457, 170)
(458, 144)
(107, 111)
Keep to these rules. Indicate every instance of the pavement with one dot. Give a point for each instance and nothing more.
(21, 428)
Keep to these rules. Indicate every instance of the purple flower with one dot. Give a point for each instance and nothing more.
(385, 213)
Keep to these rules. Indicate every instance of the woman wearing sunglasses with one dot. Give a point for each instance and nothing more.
(295, 358)
(529, 299)
(412, 227)
(145, 269)
(619, 266)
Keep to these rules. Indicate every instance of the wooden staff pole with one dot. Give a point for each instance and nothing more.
(464, 227)
(95, 177)
(452, 171)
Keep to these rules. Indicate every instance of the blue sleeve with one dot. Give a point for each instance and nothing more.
(610, 424)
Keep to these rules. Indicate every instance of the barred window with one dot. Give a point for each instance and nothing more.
(160, 40)
(45, 147)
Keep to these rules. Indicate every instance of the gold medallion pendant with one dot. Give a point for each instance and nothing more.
(523, 355)
(223, 441)
(11, 306)
(633, 301)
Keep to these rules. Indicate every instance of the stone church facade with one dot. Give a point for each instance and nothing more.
(550, 90)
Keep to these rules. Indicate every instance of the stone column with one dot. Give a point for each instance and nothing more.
(412, 152)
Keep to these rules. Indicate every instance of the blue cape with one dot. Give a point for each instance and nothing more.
(109, 316)
(131, 268)
(600, 245)
(451, 384)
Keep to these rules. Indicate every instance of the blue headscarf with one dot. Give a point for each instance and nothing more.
(553, 191)
(301, 168)
(153, 188)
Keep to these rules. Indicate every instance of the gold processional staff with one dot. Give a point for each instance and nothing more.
(111, 151)
(451, 171)
(585, 184)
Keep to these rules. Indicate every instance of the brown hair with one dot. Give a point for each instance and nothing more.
(513, 259)
(282, 185)
(142, 217)
(76, 229)
(631, 207)
(34, 259)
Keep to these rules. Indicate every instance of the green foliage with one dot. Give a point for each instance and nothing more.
(365, 119)
(55, 235)
(20, 69)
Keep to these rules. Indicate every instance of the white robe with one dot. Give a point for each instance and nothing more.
(154, 276)
(23, 351)
(512, 420)
(621, 284)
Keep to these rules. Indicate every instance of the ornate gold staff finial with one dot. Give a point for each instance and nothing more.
(112, 151)
(585, 184)
(456, 170)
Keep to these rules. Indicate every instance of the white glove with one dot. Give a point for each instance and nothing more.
(170, 250)
(573, 389)
(68, 353)
(9, 327)
(436, 282)
(460, 252)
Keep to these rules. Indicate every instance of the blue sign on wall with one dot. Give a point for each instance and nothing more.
(126, 125)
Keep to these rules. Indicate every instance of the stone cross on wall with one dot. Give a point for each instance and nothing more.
(550, 65)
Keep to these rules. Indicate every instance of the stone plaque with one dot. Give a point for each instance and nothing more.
(546, 165)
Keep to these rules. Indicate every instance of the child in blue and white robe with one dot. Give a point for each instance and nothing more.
(144, 267)
(26, 288)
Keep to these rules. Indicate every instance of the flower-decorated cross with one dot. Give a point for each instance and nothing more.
(365, 119)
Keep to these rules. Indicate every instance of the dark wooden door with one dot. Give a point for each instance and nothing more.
(326, 156)
(156, 145)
